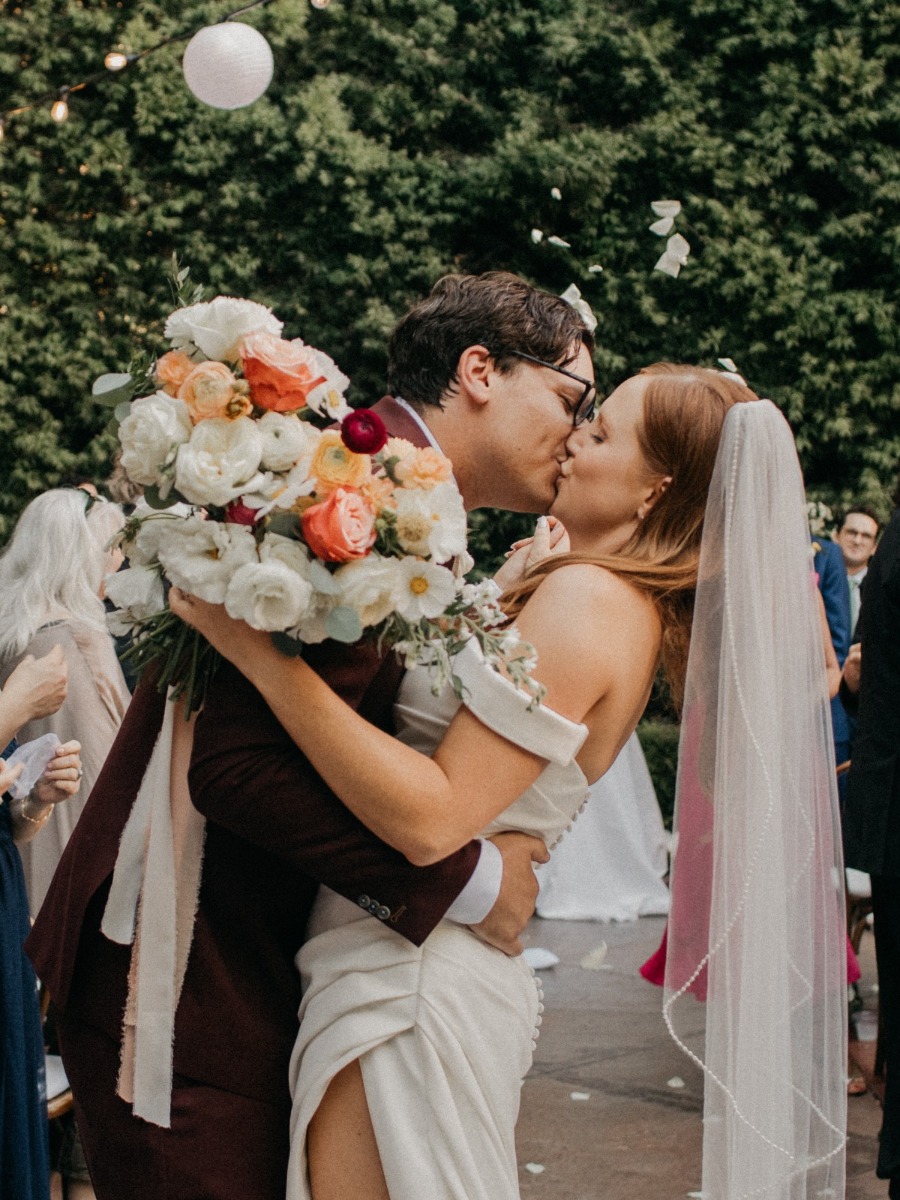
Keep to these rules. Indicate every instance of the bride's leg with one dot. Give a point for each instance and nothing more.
(340, 1143)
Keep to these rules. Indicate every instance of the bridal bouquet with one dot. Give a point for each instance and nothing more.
(267, 493)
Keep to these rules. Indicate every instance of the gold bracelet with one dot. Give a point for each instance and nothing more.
(38, 821)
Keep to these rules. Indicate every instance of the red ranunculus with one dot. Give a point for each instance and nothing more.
(363, 431)
(238, 513)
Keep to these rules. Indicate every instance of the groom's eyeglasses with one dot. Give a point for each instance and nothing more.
(588, 402)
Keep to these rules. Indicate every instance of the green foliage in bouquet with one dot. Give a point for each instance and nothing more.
(402, 139)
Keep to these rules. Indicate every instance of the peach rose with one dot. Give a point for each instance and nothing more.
(211, 390)
(425, 470)
(172, 369)
(340, 528)
(333, 465)
(281, 373)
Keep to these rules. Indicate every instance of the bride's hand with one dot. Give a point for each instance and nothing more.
(235, 640)
(550, 537)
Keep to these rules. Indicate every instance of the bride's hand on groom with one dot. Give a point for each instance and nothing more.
(503, 925)
(550, 537)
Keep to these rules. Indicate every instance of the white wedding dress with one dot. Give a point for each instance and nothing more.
(444, 1032)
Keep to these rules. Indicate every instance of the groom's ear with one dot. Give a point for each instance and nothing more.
(475, 373)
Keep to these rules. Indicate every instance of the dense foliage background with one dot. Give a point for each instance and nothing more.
(402, 139)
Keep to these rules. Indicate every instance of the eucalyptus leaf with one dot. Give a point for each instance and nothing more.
(121, 411)
(112, 389)
(343, 625)
(285, 524)
(155, 500)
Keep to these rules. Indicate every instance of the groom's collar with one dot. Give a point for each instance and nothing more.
(402, 420)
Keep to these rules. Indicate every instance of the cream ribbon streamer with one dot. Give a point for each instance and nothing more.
(151, 906)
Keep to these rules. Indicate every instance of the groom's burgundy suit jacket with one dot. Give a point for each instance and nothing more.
(274, 833)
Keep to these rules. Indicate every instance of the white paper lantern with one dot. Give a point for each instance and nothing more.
(228, 65)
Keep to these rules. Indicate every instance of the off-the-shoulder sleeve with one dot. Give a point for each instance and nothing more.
(502, 707)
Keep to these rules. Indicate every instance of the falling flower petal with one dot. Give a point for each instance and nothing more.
(580, 1095)
(728, 364)
(675, 256)
(662, 226)
(540, 959)
(556, 193)
(537, 235)
(534, 1168)
(595, 269)
(675, 1082)
(696, 1196)
(558, 241)
(666, 208)
(594, 960)
(668, 265)
(573, 296)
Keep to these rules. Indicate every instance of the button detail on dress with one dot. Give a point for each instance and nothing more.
(363, 902)
(383, 912)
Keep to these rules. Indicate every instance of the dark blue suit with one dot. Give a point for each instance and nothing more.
(829, 564)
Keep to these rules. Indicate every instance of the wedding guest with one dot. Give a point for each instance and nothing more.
(51, 580)
(872, 811)
(35, 689)
(857, 538)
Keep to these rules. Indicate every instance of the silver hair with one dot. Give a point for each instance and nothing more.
(55, 560)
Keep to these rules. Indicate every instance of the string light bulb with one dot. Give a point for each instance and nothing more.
(116, 60)
(60, 110)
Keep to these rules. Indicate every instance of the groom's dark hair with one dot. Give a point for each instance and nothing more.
(497, 310)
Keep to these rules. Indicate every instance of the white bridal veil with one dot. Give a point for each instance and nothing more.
(757, 925)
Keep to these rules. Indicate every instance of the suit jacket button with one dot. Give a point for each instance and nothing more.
(363, 902)
(383, 912)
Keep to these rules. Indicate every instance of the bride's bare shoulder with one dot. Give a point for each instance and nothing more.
(590, 587)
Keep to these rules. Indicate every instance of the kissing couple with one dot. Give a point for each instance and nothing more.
(368, 850)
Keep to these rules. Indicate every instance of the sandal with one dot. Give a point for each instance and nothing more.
(856, 1086)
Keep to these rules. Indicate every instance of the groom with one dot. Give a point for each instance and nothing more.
(490, 370)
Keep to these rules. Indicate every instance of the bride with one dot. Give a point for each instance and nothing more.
(407, 1070)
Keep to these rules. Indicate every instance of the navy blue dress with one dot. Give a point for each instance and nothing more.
(24, 1165)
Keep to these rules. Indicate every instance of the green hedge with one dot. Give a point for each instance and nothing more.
(659, 740)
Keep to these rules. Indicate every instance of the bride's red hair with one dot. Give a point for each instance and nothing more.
(684, 409)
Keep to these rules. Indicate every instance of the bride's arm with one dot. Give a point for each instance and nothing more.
(428, 807)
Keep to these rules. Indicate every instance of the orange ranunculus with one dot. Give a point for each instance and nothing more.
(172, 369)
(341, 527)
(425, 469)
(333, 465)
(281, 373)
(211, 390)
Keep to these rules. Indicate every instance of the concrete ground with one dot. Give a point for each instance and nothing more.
(600, 1118)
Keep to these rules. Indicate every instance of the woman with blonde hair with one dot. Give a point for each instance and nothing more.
(51, 584)
(683, 506)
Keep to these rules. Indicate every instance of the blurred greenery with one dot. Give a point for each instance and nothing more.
(402, 139)
(659, 741)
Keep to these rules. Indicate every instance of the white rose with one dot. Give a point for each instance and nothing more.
(328, 398)
(371, 586)
(217, 327)
(143, 549)
(268, 595)
(293, 554)
(136, 590)
(151, 433)
(220, 461)
(424, 589)
(286, 442)
(202, 556)
(431, 523)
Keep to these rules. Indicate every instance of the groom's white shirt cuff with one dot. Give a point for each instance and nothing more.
(480, 894)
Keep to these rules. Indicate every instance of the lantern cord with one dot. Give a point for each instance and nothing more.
(68, 90)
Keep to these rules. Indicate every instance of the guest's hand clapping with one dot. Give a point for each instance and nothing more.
(36, 688)
(853, 667)
(62, 777)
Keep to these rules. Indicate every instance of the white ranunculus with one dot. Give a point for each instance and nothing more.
(328, 398)
(202, 556)
(217, 327)
(151, 433)
(424, 589)
(287, 442)
(431, 523)
(220, 462)
(371, 587)
(136, 590)
(268, 595)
